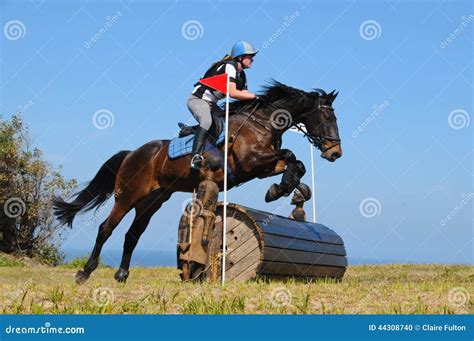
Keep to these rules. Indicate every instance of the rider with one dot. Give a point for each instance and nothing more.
(203, 99)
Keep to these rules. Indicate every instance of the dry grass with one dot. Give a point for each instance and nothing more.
(382, 289)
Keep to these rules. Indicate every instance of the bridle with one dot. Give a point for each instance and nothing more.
(319, 141)
(315, 140)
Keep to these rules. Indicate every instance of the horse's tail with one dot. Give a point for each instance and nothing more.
(98, 190)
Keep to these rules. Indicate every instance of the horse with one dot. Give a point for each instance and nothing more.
(145, 178)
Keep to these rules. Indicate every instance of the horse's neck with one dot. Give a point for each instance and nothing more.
(263, 115)
(279, 112)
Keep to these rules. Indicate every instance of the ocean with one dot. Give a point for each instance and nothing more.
(145, 258)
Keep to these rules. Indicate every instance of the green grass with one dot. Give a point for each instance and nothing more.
(381, 289)
(79, 262)
(9, 261)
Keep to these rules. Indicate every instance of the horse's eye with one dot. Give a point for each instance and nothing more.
(328, 113)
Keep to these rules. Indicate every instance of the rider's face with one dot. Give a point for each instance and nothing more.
(247, 61)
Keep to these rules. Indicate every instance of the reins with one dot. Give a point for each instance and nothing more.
(234, 136)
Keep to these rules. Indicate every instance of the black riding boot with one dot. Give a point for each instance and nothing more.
(199, 139)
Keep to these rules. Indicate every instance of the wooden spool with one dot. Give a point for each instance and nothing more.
(260, 244)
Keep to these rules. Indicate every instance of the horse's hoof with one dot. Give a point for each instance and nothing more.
(81, 277)
(272, 193)
(198, 274)
(192, 272)
(121, 275)
(186, 271)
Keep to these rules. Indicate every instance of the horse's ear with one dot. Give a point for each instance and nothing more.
(334, 94)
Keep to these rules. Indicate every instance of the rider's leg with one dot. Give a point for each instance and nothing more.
(201, 110)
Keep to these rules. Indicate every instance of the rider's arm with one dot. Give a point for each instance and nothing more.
(240, 94)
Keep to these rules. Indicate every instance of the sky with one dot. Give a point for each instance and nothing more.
(96, 77)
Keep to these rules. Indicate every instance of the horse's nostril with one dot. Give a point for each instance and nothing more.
(335, 155)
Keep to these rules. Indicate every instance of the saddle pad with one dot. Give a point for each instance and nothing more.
(180, 146)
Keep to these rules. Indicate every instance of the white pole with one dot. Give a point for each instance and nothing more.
(224, 228)
(313, 194)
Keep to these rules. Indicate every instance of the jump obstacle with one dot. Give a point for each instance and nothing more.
(259, 245)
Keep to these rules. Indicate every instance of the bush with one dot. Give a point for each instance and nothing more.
(50, 255)
(79, 262)
(27, 184)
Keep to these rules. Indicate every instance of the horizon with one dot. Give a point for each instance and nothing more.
(145, 258)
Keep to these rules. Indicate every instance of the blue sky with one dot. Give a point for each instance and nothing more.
(403, 70)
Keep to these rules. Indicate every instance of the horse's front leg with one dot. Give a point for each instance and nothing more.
(292, 175)
(274, 169)
(293, 170)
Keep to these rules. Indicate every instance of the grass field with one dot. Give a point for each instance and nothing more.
(381, 289)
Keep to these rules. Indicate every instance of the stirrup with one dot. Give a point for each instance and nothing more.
(196, 161)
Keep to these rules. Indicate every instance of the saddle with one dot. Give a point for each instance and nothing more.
(183, 144)
(213, 133)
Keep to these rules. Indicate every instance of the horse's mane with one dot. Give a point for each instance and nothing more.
(276, 92)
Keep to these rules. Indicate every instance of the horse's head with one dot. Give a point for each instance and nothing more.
(321, 124)
(290, 106)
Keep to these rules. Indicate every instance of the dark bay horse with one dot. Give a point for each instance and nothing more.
(145, 178)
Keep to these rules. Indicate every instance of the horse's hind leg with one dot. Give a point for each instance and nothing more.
(105, 230)
(144, 211)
